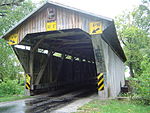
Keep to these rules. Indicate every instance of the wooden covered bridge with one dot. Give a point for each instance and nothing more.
(59, 46)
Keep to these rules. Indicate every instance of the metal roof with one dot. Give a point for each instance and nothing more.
(109, 35)
(58, 5)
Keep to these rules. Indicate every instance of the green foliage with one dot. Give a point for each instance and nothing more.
(11, 11)
(10, 67)
(11, 87)
(133, 31)
(141, 15)
(141, 84)
(15, 14)
(6, 5)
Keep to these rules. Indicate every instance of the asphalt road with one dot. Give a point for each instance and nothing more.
(13, 107)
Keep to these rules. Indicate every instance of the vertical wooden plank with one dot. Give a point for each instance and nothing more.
(51, 67)
(31, 62)
(72, 67)
(43, 19)
(80, 71)
(38, 78)
(60, 67)
(58, 20)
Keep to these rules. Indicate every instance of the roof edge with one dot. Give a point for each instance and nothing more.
(56, 4)
(22, 20)
(79, 10)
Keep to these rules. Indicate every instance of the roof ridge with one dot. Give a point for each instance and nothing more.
(56, 4)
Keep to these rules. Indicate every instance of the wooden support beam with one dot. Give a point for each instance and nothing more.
(60, 66)
(77, 47)
(59, 35)
(70, 40)
(31, 62)
(38, 78)
(72, 64)
(24, 64)
(80, 74)
(37, 45)
(51, 68)
(70, 43)
(54, 36)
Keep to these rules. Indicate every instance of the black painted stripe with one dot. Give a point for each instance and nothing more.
(100, 78)
(101, 84)
(28, 84)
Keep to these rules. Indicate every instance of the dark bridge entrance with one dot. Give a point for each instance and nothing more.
(58, 59)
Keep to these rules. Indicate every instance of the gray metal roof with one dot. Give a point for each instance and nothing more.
(109, 35)
(58, 5)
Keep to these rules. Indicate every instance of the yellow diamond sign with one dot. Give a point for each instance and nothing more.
(13, 39)
(95, 28)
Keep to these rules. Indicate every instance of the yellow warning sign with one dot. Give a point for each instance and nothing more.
(95, 28)
(51, 26)
(28, 78)
(100, 82)
(13, 39)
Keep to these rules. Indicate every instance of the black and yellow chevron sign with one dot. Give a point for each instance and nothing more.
(28, 78)
(100, 82)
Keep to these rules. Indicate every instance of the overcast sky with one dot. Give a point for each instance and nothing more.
(108, 8)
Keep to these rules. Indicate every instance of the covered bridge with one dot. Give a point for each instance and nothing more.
(59, 46)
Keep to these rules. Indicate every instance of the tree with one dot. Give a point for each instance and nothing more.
(141, 84)
(133, 31)
(6, 5)
(9, 64)
(141, 15)
(14, 15)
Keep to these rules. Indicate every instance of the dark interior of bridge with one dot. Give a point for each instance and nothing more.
(58, 59)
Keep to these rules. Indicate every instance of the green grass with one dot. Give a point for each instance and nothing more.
(113, 106)
(13, 98)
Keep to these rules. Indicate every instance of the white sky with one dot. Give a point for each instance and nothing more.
(108, 8)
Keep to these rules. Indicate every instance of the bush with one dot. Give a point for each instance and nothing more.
(141, 84)
(11, 87)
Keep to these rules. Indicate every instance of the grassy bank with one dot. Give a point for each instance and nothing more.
(12, 98)
(113, 106)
